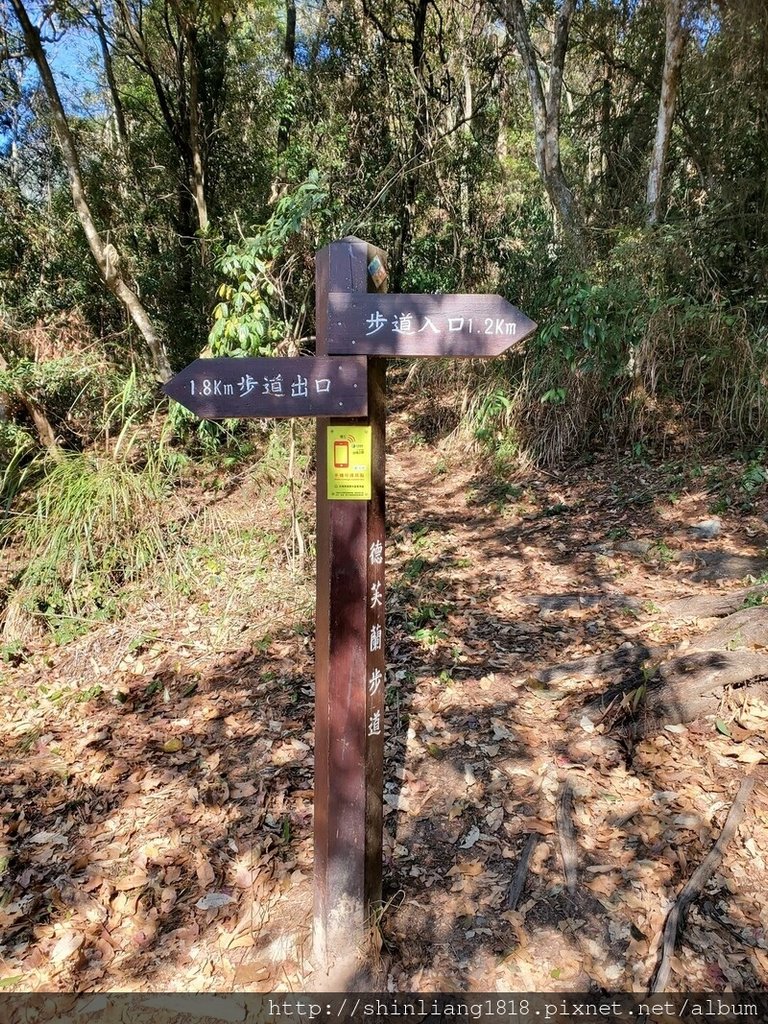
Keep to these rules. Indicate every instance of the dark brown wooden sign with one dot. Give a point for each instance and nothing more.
(355, 319)
(424, 325)
(217, 389)
(350, 666)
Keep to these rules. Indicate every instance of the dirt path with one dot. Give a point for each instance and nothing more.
(157, 798)
(571, 585)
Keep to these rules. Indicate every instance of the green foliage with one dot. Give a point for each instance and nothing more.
(427, 624)
(491, 411)
(590, 325)
(754, 476)
(252, 317)
(242, 320)
(82, 395)
(755, 600)
(431, 268)
(421, 146)
(210, 439)
(627, 347)
(258, 310)
(18, 460)
(95, 524)
(86, 401)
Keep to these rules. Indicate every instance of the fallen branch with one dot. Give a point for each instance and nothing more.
(695, 884)
(568, 849)
(521, 871)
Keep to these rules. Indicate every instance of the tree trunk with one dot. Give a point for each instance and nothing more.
(180, 113)
(195, 138)
(606, 104)
(465, 172)
(546, 112)
(417, 148)
(45, 432)
(117, 103)
(675, 39)
(289, 58)
(106, 256)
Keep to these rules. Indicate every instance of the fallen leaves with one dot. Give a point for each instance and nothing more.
(136, 880)
(160, 838)
(214, 901)
(66, 946)
(205, 872)
(746, 754)
(49, 838)
(470, 838)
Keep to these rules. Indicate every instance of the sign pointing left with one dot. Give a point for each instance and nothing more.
(280, 386)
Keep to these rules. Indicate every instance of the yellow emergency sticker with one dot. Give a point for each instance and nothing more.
(349, 463)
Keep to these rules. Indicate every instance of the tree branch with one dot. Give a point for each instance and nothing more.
(106, 257)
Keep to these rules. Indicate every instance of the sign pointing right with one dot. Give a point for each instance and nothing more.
(367, 323)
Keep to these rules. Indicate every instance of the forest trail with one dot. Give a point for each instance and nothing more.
(157, 794)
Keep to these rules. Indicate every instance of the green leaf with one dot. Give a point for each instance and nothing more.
(722, 727)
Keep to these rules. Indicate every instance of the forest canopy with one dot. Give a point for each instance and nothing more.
(602, 164)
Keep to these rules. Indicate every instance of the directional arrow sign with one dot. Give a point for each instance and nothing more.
(424, 325)
(217, 389)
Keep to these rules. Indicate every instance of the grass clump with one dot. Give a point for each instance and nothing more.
(94, 525)
(19, 463)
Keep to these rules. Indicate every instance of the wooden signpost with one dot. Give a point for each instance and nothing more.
(220, 389)
(357, 325)
(424, 325)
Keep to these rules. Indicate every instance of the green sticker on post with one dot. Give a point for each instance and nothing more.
(349, 463)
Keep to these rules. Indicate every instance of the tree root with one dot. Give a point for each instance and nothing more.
(694, 885)
(713, 606)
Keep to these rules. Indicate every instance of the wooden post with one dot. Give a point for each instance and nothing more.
(355, 334)
(350, 665)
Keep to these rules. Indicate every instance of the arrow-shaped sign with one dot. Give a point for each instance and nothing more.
(217, 389)
(424, 325)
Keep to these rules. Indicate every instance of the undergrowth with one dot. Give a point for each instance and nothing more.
(95, 523)
(616, 361)
(102, 523)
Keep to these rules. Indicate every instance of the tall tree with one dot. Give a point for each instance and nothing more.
(106, 256)
(675, 35)
(406, 27)
(109, 71)
(545, 105)
(289, 59)
(182, 49)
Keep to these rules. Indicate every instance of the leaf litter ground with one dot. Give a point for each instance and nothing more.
(157, 772)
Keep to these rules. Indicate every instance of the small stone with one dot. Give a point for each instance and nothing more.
(214, 900)
(707, 529)
(636, 547)
(470, 838)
